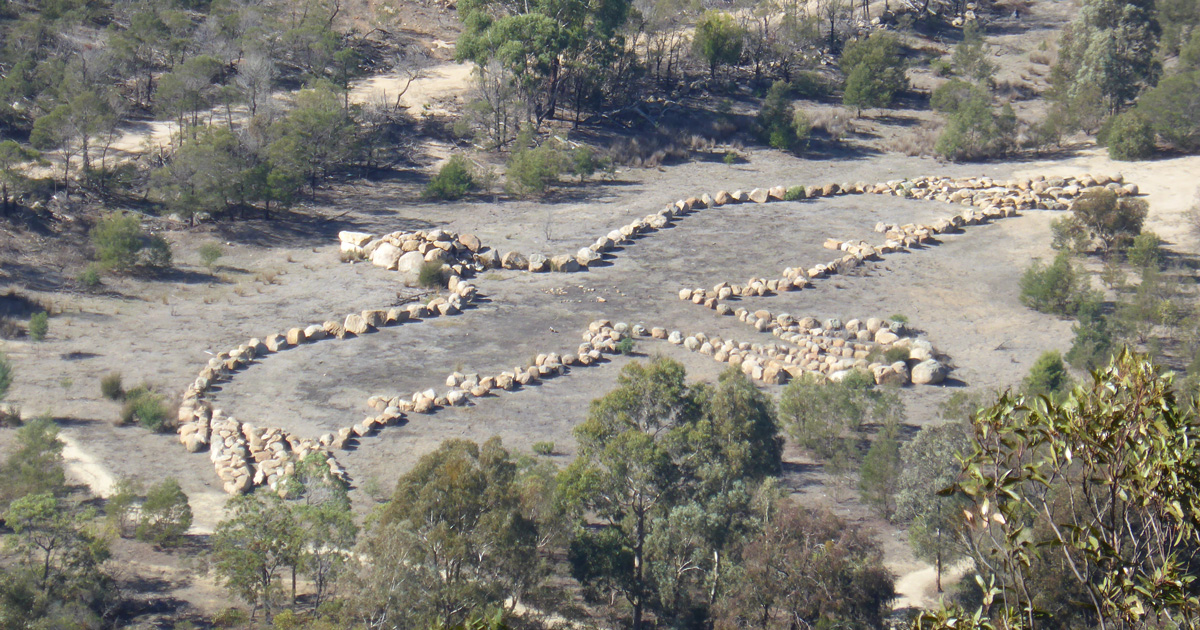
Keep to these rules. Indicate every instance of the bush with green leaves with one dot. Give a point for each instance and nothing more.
(975, 131)
(1092, 346)
(147, 408)
(210, 253)
(795, 193)
(1048, 376)
(90, 276)
(879, 473)
(585, 162)
(950, 96)
(110, 386)
(165, 514)
(625, 346)
(1172, 108)
(971, 56)
(543, 448)
(1113, 220)
(779, 123)
(874, 69)
(431, 275)
(1053, 288)
(825, 416)
(1145, 251)
(730, 158)
(39, 325)
(121, 244)
(454, 180)
(533, 170)
(1129, 137)
(6, 375)
(717, 40)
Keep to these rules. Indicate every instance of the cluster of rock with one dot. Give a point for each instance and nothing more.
(601, 338)
(246, 456)
(1034, 193)
(407, 252)
(828, 349)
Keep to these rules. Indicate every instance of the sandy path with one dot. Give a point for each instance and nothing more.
(918, 588)
(84, 468)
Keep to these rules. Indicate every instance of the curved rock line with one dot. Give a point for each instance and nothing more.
(246, 456)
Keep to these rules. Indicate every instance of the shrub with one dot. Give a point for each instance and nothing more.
(120, 507)
(90, 276)
(6, 375)
(146, 408)
(795, 193)
(110, 386)
(1069, 234)
(453, 181)
(584, 162)
(975, 131)
(825, 416)
(1115, 221)
(879, 474)
(1051, 288)
(625, 346)
(899, 318)
(1146, 251)
(1129, 137)
(543, 448)
(210, 253)
(532, 171)
(730, 158)
(718, 40)
(775, 118)
(1092, 345)
(951, 95)
(1048, 376)
(121, 244)
(165, 515)
(941, 68)
(896, 354)
(1172, 109)
(874, 70)
(809, 85)
(39, 325)
(431, 275)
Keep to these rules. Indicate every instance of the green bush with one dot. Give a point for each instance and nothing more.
(899, 318)
(210, 253)
(948, 97)
(146, 408)
(1172, 108)
(121, 244)
(795, 193)
(6, 375)
(165, 515)
(717, 40)
(453, 181)
(1111, 219)
(90, 276)
(809, 85)
(1048, 376)
(896, 354)
(110, 386)
(1092, 346)
(874, 69)
(431, 275)
(585, 162)
(532, 171)
(543, 448)
(625, 346)
(1069, 234)
(1053, 288)
(39, 325)
(1129, 137)
(975, 131)
(779, 124)
(941, 68)
(730, 158)
(1146, 251)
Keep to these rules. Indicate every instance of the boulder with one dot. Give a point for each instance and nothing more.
(586, 256)
(355, 324)
(410, 262)
(276, 342)
(296, 336)
(386, 255)
(471, 242)
(928, 372)
(357, 239)
(722, 198)
(675, 337)
(538, 263)
(489, 259)
(885, 336)
(564, 263)
(514, 260)
(759, 195)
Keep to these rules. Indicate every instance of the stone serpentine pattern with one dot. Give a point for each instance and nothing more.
(247, 456)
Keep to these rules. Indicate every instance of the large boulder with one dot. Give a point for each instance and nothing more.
(355, 324)
(586, 256)
(410, 262)
(929, 372)
(514, 260)
(357, 239)
(386, 255)
(564, 263)
(759, 195)
(471, 242)
(538, 263)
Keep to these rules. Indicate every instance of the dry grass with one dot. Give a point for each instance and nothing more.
(267, 276)
(916, 142)
(836, 123)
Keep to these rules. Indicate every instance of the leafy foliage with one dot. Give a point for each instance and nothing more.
(6, 375)
(970, 58)
(121, 244)
(453, 181)
(1047, 377)
(975, 131)
(533, 170)
(718, 40)
(824, 416)
(874, 70)
(1129, 137)
(1113, 221)
(165, 514)
(1102, 485)
(780, 124)
(1107, 55)
(1055, 288)
(1172, 108)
